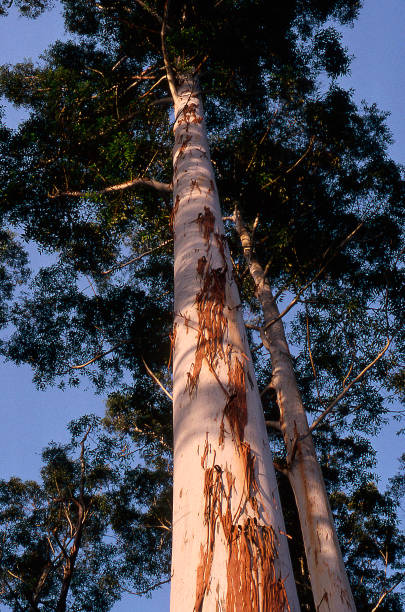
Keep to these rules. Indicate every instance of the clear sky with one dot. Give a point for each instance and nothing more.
(31, 418)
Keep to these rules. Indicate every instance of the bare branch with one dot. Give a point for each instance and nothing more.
(280, 469)
(291, 168)
(145, 182)
(15, 576)
(346, 389)
(137, 258)
(274, 425)
(162, 78)
(153, 586)
(169, 71)
(251, 326)
(150, 10)
(310, 357)
(263, 138)
(119, 62)
(317, 275)
(384, 595)
(103, 354)
(155, 378)
(165, 101)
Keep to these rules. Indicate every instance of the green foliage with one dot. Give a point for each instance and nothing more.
(26, 8)
(92, 498)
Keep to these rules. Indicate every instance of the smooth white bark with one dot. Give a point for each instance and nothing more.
(230, 551)
(330, 586)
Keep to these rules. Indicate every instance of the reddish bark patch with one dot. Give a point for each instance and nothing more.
(202, 262)
(172, 337)
(190, 114)
(252, 583)
(221, 242)
(236, 408)
(206, 223)
(212, 324)
(249, 460)
(184, 145)
(174, 212)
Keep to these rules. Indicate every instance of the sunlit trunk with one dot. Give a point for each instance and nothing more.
(330, 586)
(229, 545)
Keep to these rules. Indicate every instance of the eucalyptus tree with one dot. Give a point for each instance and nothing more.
(96, 157)
(72, 541)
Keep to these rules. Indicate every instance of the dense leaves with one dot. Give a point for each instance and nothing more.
(89, 531)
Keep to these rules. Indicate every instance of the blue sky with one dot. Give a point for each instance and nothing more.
(32, 418)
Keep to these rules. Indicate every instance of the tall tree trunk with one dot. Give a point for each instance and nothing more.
(70, 561)
(230, 550)
(330, 586)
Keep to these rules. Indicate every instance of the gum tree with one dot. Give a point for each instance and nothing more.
(96, 156)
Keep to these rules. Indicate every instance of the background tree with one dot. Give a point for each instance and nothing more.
(89, 531)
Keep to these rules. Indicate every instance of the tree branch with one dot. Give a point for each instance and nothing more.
(150, 10)
(169, 71)
(155, 378)
(138, 257)
(153, 586)
(274, 425)
(384, 595)
(114, 348)
(291, 168)
(145, 182)
(317, 275)
(346, 389)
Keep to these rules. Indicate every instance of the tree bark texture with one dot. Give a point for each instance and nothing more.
(230, 549)
(329, 582)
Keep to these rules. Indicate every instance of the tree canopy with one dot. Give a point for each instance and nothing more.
(88, 177)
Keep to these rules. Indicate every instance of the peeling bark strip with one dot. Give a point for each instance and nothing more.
(252, 582)
(210, 301)
(229, 548)
(235, 409)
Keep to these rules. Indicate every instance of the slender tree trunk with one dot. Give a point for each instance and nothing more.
(229, 545)
(70, 562)
(330, 586)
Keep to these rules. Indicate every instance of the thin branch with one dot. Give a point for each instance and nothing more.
(251, 326)
(384, 595)
(150, 10)
(154, 586)
(13, 593)
(346, 389)
(254, 349)
(15, 576)
(137, 258)
(119, 62)
(169, 71)
(274, 425)
(157, 381)
(280, 469)
(165, 101)
(103, 354)
(162, 78)
(291, 168)
(145, 182)
(263, 138)
(317, 275)
(310, 357)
